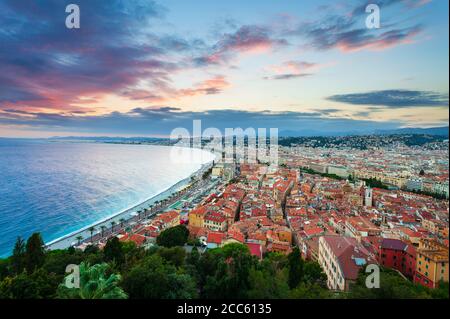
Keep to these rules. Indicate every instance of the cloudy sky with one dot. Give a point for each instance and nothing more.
(142, 67)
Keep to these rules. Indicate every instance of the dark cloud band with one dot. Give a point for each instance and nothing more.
(394, 98)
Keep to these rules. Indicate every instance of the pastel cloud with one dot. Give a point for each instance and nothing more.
(248, 39)
(67, 70)
(346, 31)
(292, 69)
(167, 93)
(120, 59)
(210, 86)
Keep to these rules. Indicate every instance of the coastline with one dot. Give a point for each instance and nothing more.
(68, 240)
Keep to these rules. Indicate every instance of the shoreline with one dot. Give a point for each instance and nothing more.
(68, 240)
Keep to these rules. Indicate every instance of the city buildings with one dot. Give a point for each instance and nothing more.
(333, 205)
(398, 255)
(432, 263)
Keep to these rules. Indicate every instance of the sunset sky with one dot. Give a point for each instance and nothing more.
(142, 68)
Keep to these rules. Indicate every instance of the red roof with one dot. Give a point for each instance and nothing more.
(136, 238)
(215, 237)
(215, 217)
(255, 249)
(394, 244)
(168, 217)
(237, 235)
(346, 249)
(313, 231)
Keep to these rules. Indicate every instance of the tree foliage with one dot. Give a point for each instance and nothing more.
(295, 268)
(34, 252)
(95, 283)
(174, 236)
(394, 286)
(154, 278)
(124, 270)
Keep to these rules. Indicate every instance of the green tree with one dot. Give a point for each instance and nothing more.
(18, 256)
(153, 278)
(264, 284)
(229, 276)
(38, 285)
(91, 230)
(194, 257)
(4, 268)
(295, 268)
(307, 290)
(175, 236)
(392, 286)
(56, 261)
(79, 238)
(34, 252)
(441, 292)
(95, 283)
(313, 273)
(173, 255)
(132, 255)
(113, 251)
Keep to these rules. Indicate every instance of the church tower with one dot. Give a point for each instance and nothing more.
(368, 200)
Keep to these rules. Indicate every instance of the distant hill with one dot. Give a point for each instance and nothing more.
(442, 131)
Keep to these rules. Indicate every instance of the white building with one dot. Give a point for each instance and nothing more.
(368, 197)
(341, 258)
(340, 171)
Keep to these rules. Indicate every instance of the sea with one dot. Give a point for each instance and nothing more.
(58, 187)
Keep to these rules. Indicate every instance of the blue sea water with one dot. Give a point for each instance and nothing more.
(59, 187)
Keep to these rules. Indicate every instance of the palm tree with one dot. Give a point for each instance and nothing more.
(79, 238)
(103, 227)
(91, 230)
(113, 223)
(122, 220)
(94, 283)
